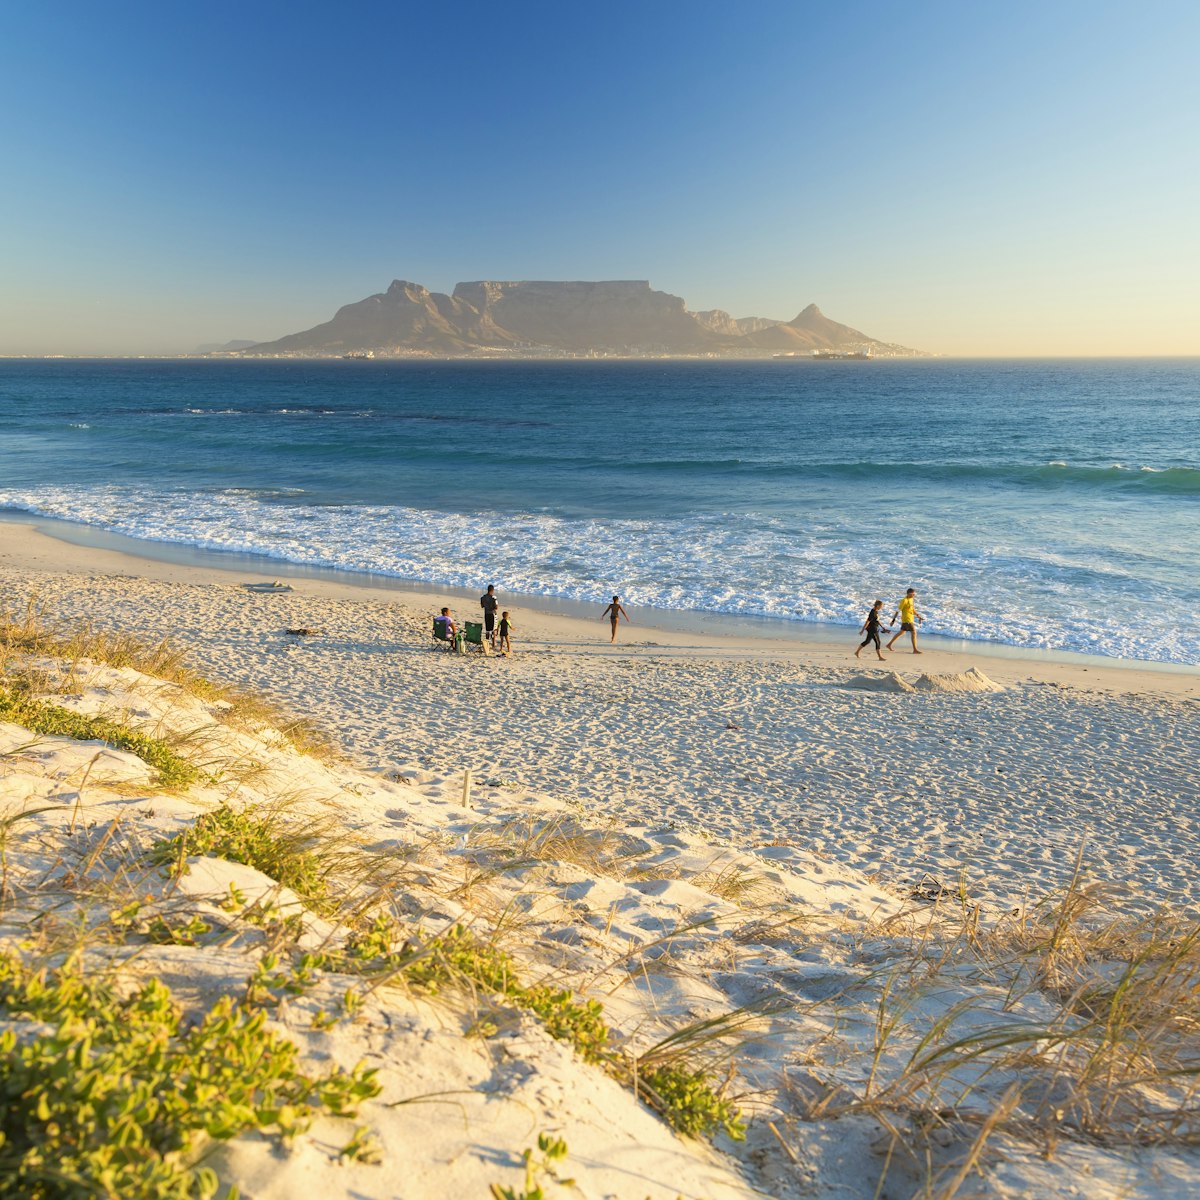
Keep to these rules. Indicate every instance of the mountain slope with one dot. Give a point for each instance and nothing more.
(539, 317)
(812, 330)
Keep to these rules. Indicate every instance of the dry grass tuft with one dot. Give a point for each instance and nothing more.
(732, 882)
(1074, 1025)
(254, 713)
(28, 633)
(528, 841)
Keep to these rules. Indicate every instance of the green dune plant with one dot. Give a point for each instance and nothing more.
(260, 839)
(52, 720)
(457, 961)
(688, 1100)
(111, 1093)
(540, 1167)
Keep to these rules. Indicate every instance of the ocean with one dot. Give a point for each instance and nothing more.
(1051, 505)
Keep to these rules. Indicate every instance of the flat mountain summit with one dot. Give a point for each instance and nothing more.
(538, 318)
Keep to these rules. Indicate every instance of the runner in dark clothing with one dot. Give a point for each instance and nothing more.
(871, 628)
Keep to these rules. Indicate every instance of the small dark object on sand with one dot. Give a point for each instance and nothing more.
(930, 890)
(303, 632)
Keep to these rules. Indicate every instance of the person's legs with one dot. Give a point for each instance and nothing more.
(614, 625)
(871, 637)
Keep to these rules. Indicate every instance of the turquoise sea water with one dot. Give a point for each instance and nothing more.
(1042, 504)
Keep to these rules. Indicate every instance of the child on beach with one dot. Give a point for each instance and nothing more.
(505, 627)
(615, 612)
(871, 628)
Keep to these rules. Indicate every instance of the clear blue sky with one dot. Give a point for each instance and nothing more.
(964, 178)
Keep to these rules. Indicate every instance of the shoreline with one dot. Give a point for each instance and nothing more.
(743, 742)
(27, 541)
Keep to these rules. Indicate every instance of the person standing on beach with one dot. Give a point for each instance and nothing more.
(505, 630)
(615, 612)
(907, 612)
(489, 604)
(871, 628)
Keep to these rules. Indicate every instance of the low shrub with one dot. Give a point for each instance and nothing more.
(116, 1096)
(687, 1099)
(262, 842)
(684, 1096)
(53, 721)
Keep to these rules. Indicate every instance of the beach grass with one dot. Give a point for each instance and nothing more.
(52, 720)
(1073, 1025)
(28, 636)
(960, 1033)
(29, 631)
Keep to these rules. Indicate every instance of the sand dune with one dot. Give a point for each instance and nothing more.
(677, 828)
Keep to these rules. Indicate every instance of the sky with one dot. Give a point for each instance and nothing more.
(966, 179)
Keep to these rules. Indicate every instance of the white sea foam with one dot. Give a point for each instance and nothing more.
(738, 564)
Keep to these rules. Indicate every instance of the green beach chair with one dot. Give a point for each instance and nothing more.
(473, 635)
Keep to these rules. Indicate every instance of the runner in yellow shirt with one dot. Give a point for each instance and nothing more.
(907, 612)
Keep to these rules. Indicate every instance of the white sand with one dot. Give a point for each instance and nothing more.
(829, 797)
(753, 741)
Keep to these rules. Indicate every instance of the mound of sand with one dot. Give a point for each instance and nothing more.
(881, 683)
(972, 680)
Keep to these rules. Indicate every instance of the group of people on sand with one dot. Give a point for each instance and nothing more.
(500, 637)
(906, 610)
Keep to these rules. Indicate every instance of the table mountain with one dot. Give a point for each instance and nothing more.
(624, 317)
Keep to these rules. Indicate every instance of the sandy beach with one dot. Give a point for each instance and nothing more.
(719, 918)
(752, 740)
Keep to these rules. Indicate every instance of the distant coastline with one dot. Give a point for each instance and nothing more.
(624, 318)
(923, 357)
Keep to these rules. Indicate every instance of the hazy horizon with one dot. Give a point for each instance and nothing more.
(567, 359)
(966, 182)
